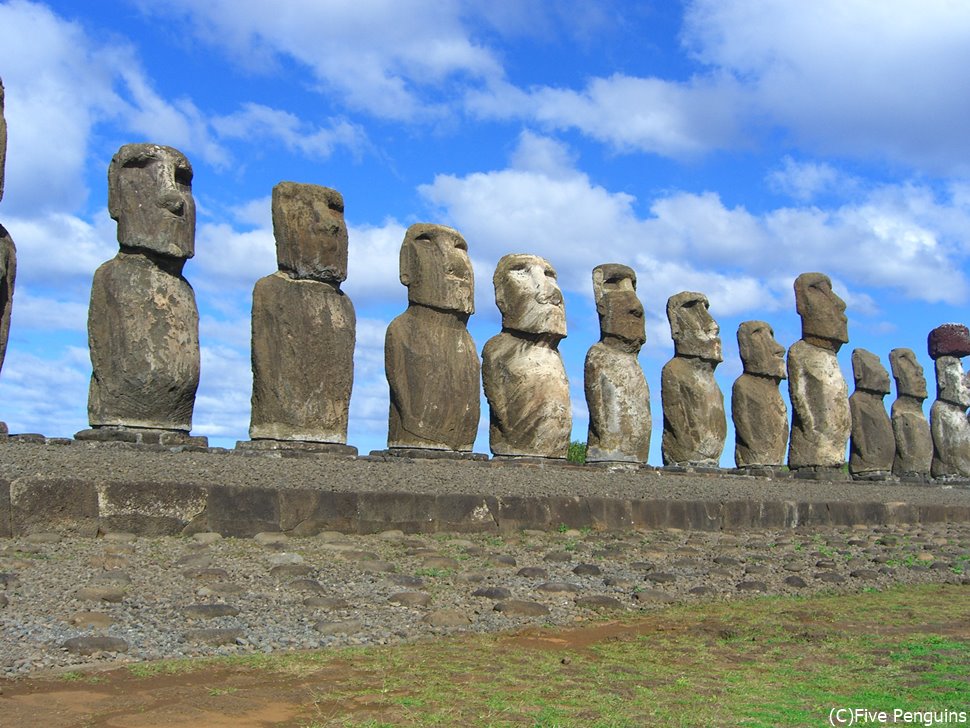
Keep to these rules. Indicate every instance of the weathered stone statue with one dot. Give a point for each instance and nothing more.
(872, 447)
(304, 327)
(693, 405)
(143, 324)
(522, 371)
(914, 443)
(821, 422)
(430, 360)
(757, 408)
(949, 423)
(616, 390)
(8, 256)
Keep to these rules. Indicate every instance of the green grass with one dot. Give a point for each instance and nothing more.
(576, 452)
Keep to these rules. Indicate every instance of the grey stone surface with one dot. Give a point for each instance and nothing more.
(949, 421)
(617, 395)
(819, 395)
(757, 407)
(8, 254)
(143, 323)
(872, 446)
(3, 140)
(304, 326)
(911, 429)
(430, 359)
(693, 405)
(522, 371)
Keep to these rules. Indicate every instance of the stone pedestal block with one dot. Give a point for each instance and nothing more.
(303, 360)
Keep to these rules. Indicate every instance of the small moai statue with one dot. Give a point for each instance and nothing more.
(949, 423)
(911, 430)
(8, 256)
(304, 328)
(821, 421)
(430, 359)
(757, 407)
(693, 406)
(872, 446)
(617, 394)
(522, 371)
(143, 323)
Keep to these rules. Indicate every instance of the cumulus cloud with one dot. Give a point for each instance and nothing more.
(256, 121)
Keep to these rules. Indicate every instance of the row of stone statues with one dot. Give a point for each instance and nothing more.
(143, 331)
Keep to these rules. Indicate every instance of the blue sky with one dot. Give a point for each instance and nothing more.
(723, 146)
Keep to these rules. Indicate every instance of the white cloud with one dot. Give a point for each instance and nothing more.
(42, 313)
(60, 247)
(804, 181)
(45, 394)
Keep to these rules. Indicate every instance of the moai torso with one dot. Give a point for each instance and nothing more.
(821, 421)
(617, 395)
(949, 422)
(430, 359)
(872, 447)
(522, 371)
(695, 424)
(757, 408)
(911, 430)
(143, 324)
(304, 326)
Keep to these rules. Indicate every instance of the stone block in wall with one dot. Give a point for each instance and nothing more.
(308, 512)
(150, 508)
(243, 512)
(465, 513)
(64, 506)
(518, 512)
(408, 512)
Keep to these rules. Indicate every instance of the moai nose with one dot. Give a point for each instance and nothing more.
(172, 201)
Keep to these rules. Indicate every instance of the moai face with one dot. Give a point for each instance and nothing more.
(311, 236)
(527, 294)
(760, 353)
(869, 373)
(620, 311)
(952, 385)
(150, 195)
(694, 331)
(3, 140)
(908, 373)
(823, 313)
(436, 269)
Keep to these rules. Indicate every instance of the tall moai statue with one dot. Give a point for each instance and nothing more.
(617, 394)
(522, 371)
(821, 422)
(143, 324)
(757, 407)
(872, 446)
(430, 359)
(949, 422)
(911, 430)
(304, 327)
(8, 256)
(693, 405)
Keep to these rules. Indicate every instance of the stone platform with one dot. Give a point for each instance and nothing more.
(85, 489)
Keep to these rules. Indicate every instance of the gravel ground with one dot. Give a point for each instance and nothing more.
(66, 603)
(99, 462)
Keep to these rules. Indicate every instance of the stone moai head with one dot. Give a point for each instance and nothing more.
(869, 373)
(952, 385)
(150, 196)
(436, 269)
(3, 140)
(824, 323)
(527, 294)
(311, 236)
(948, 340)
(694, 332)
(760, 353)
(908, 373)
(620, 311)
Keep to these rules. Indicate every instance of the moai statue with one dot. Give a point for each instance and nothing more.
(821, 422)
(949, 422)
(304, 327)
(914, 443)
(617, 394)
(143, 324)
(522, 371)
(693, 405)
(430, 360)
(8, 256)
(757, 408)
(872, 446)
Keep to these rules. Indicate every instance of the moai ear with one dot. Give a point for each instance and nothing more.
(408, 263)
